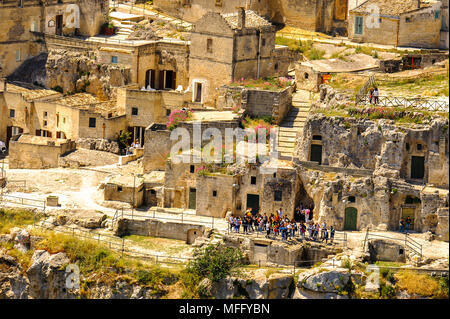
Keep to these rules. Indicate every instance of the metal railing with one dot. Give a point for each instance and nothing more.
(112, 242)
(339, 237)
(419, 103)
(408, 243)
(29, 202)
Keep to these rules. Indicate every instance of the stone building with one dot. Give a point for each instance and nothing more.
(312, 15)
(20, 19)
(236, 45)
(410, 23)
(28, 151)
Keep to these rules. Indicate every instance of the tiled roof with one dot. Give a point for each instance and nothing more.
(390, 7)
(252, 20)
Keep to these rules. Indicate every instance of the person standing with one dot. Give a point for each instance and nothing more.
(375, 95)
(371, 95)
(331, 234)
(402, 225)
(408, 223)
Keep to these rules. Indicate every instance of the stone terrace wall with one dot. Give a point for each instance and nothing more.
(259, 103)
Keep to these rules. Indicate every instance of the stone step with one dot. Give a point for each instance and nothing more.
(288, 139)
(288, 129)
(287, 145)
(285, 150)
(292, 135)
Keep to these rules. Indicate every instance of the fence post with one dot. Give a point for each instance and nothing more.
(123, 244)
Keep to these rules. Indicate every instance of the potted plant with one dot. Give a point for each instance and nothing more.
(108, 28)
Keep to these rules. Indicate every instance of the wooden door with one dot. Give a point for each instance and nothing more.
(351, 214)
(192, 198)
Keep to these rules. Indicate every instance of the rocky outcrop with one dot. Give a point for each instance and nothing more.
(83, 218)
(80, 72)
(98, 144)
(260, 286)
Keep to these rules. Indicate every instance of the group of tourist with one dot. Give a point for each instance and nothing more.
(279, 224)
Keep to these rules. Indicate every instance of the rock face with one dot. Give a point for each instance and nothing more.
(81, 217)
(47, 276)
(367, 167)
(80, 72)
(276, 286)
(98, 144)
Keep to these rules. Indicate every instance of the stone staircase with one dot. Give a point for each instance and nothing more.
(125, 22)
(293, 123)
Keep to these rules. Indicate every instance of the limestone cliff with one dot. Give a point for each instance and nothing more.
(79, 72)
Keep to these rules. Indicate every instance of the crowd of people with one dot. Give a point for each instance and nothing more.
(405, 224)
(279, 225)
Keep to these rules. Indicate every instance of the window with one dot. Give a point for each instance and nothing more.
(306, 75)
(214, 193)
(277, 196)
(317, 137)
(134, 111)
(12, 113)
(351, 199)
(358, 25)
(263, 42)
(436, 14)
(92, 122)
(209, 45)
(274, 175)
(20, 3)
(168, 112)
(114, 59)
(45, 123)
(17, 55)
(192, 169)
(119, 188)
(419, 147)
(253, 180)
(407, 146)
(407, 19)
(45, 114)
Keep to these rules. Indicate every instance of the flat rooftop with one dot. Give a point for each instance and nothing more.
(213, 116)
(40, 140)
(31, 92)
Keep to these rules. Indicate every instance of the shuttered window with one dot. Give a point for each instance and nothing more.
(358, 25)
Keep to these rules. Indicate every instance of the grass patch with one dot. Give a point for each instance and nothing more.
(419, 284)
(10, 218)
(160, 244)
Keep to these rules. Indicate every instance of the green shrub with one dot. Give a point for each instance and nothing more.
(215, 262)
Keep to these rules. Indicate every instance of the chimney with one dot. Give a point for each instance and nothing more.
(241, 18)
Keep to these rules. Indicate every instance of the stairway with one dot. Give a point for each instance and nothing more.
(293, 123)
(124, 22)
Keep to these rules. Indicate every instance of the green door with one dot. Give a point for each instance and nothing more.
(192, 198)
(316, 153)
(350, 218)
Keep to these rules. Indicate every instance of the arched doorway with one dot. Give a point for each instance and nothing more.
(351, 214)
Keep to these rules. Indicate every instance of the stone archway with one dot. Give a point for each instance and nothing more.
(192, 234)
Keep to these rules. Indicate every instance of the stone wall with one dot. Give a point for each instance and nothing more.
(215, 195)
(260, 103)
(157, 228)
